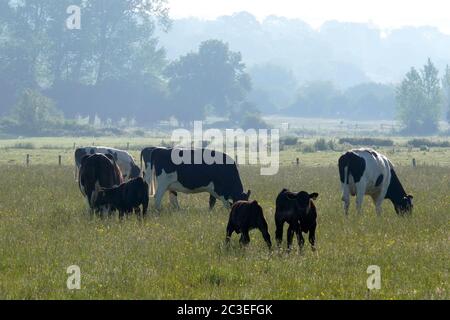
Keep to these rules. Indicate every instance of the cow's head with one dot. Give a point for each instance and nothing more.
(98, 198)
(243, 196)
(303, 201)
(405, 205)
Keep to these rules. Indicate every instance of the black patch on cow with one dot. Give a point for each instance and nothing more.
(245, 216)
(372, 152)
(79, 154)
(135, 171)
(396, 193)
(379, 180)
(355, 164)
(92, 151)
(225, 176)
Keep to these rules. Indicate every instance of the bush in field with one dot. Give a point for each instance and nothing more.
(321, 145)
(33, 113)
(289, 141)
(417, 143)
(308, 148)
(367, 142)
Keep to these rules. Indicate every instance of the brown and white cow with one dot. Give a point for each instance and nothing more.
(123, 159)
(98, 170)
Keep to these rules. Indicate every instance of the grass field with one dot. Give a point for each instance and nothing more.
(45, 228)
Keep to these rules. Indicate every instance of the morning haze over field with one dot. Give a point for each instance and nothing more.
(341, 98)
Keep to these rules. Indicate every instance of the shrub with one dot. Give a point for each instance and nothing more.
(289, 141)
(418, 143)
(367, 142)
(321, 145)
(308, 149)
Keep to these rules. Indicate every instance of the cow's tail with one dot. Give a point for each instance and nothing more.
(148, 170)
(344, 172)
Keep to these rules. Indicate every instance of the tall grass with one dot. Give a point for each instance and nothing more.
(44, 228)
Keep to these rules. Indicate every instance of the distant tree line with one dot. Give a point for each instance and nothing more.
(114, 68)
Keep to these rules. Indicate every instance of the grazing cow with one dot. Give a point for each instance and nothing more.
(299, 211)
(123, 159)
(365, 171)
(245, 216)
(100, 170)
(124, 198)
(220, 180)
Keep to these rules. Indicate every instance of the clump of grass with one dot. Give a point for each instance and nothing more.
(22, 145)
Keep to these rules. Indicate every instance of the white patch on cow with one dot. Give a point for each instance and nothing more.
(124, 159)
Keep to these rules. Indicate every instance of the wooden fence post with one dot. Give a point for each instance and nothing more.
(298, 162)
(28, 160)
(414, 162)
(128, 146)
(59, 160)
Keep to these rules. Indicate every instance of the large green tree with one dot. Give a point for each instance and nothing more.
(213, 78)
(446, 91)
(115, 47)
(419, 100)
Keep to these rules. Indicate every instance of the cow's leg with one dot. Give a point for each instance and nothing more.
(279, 229)
(245, 238)
(230, 230)
(266, 236)
(212, 201)
(173, 196)
(378, 200)
(360, 192)
(159, 195)
(346, 197)
(300, 239)
(312, 238)
(145, 207)
(290, 236)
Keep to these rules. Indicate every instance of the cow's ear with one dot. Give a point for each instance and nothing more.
(314, 195)
(410, 196)
(249, 192)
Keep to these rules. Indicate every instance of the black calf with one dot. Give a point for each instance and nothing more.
(245, 216)
(124, 198)
(299, 211)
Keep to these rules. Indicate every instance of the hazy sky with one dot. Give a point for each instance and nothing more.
(385, 14)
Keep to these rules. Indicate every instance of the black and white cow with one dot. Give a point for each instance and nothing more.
(97, 170)
(365, 171)
(298, 210)
(220, 180)
(123, 159)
